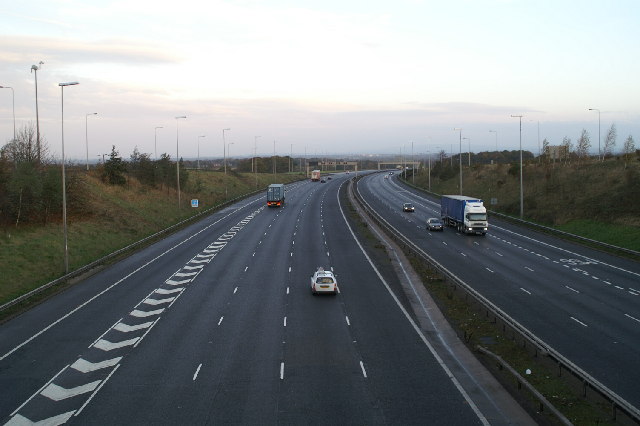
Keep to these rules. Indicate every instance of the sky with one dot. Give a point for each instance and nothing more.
(321, 77)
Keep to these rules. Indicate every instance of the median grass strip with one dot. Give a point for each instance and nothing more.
(475, 330)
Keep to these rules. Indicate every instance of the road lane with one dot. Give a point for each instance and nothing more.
(578, 300)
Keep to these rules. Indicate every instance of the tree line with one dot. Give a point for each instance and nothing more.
(31, 181)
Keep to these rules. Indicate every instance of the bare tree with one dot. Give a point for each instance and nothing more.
(545, 150)
(628, 149)
(610, 141)
(567, 146)
(584, 143)
(23, 149)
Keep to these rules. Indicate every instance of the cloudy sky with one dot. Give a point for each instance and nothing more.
(321, 76)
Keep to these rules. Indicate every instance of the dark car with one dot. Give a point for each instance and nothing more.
(322, 180)
(408, 207)
(434, 224)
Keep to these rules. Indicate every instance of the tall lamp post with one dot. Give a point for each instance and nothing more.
(521, 183)
(35, 69)
(469, 152)
(459, 129)
(155, 141)
(178, 159)
(496, 132)
(229, 152)
(596, 109)
(13, 103)
(86, 134)
(224, 149)
(201, 136)
(64, 186)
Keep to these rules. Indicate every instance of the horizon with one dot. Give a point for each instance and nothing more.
(319, 77)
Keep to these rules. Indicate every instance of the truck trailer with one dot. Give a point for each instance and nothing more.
(468, 215)
(315, 175)
(275, 195)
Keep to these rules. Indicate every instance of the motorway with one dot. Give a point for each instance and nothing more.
(582, 302)
(216, 324)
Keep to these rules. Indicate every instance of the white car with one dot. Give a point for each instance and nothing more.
(323, 282)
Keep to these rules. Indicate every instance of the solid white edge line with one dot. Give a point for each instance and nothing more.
(448, 372)
(145, 333)
(282, 371)
(38, 391)
(96, 391)
(102, 335)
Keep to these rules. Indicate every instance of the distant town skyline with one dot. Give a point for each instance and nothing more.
(321, 78)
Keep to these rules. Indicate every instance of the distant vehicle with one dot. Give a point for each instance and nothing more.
(386, 176)
(323, 282)
(275, 195)
(322, 180)
(391, 173)
(467, 214)
(315, 175)
(328, 177)
(434, 224)
(408, 207)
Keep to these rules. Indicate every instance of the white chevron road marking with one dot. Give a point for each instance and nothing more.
(58, 393)
(106, 345)
(84, 366)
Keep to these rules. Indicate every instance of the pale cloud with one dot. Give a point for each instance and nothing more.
(70, 51)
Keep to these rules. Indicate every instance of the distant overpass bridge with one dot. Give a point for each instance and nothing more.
(398, 164)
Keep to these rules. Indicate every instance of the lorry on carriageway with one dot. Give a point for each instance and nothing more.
(468, 215)
(275, 195)
(315, 175)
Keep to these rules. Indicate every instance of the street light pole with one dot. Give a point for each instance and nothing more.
(201, 136)
(229, 152)
(521, 182)
(155, 141)
(178, 160)
(13, 103)
(460, 156)
(86, 134)
(596, 109)
(35, 68)
(64, 186)
(496, 132)
(224, 149)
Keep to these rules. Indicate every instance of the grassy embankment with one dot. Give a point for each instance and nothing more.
(597, 200)
(111, 217)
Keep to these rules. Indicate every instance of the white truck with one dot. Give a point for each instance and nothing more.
(467, 214)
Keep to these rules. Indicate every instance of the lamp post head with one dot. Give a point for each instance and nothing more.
(182, 116)
(71, 83)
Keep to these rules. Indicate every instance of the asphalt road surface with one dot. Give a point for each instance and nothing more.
(582, 302)
(216, 324)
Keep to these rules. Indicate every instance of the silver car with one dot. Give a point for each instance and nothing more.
(434, 224)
